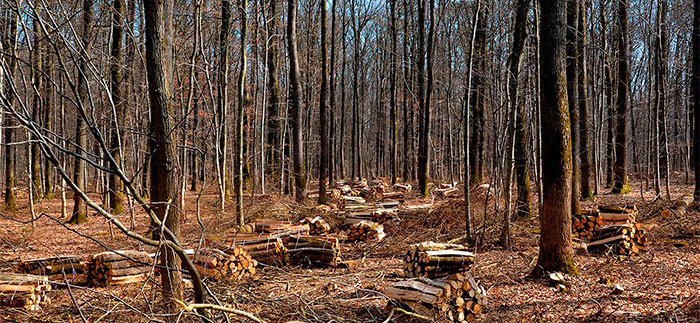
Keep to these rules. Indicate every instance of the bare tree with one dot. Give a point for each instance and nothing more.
(117, 136)
(623, 84)
(295, 109)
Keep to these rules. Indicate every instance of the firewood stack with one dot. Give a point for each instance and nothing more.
(313, 250)
(55, 267)
(585, 225)
(119, 268)
(317, 225)
(618, 215)
(366, 231)
(393, 196)
(350, 201)
(383, 215)
(264, 248)
(436, 259)
(621, 239)
(405, 188)
(231, 265)
(457, 298)
(447, 191)
(23, 291)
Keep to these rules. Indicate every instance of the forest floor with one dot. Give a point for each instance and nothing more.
(661, 283)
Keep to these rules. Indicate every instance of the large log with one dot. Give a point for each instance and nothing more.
(680, 207)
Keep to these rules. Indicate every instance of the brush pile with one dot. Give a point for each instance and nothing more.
(119, 268)
(432, 259)
(55, 268)
(313, 250)
(23, 291)
(366, 231)
(231, 265)
(456, 298)
(317, 225)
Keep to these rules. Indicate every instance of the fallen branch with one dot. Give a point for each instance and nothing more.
(194, 306)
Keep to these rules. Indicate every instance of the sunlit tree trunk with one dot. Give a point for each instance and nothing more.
(238, 181)
(295, 101)
(623, 86)
(117, 137)
(584, 151)
(323, 132)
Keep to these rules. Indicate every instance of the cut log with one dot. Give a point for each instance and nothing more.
(436, 259)
(680, 207)
(366, 231)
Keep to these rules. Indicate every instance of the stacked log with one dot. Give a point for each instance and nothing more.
(383, 215)
(313, 250)
(23, 291)
(119, 268)
(621, 239)
(393, 196)
(413, 210)
(585, 225)
(618, 215)
(351, 200)
(317, 225)
(372, 193)
(447, 192)
(405, 188)
(366, 231)
(231, 265)
(457, 298)
(278, 228)
(436, 259)
(267, 249)
(56, 267)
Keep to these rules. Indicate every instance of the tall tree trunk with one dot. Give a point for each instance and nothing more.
(241, 112)
(522, 164)
(164, 169)
(116, 197)
(274, 132)
(555, 252)
(661, 67)
(478, 100)
(38, 84)
(295, 109)
(423, 105)
(222, 104)
(406, 97)
(517, 152)
(79, 215)
(47, 108)
(584, 144)
(323, 132)
(572, 56)
(9, 43)
(696, 95)
(392, 91)
(332, 169)
(623, 85)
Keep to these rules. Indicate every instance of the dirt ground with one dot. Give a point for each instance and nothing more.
(661, 283)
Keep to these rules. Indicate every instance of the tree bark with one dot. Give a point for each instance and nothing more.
(295, 109)
(9, 43)
(164, 167)
(584, 151)
(222, 104)
(116, 196)
(38, 84)
(241, 112)
(478, 100)
(274, 132)
(620, 168)
(556, 253)
(572, 56)
(323, 132)
(696, 94)
(521, 133)
(79, 215)
(392, 92)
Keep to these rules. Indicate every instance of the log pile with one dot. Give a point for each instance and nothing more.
(317, 225)
(621, 239)
(119, 268)
(393, 196)
(366, 231)
(447, 191)
(436, 259)
(413, 210)
(680, 207)
(383, 215)
(267, 249)
(55, 268)
(313, 250)
(231, 265)
(457, 298)
(349, 201)
(585, 225)
(404, 188)
(23, 291)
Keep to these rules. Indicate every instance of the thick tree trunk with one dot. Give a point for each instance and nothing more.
(38, 84)
(555, 252)
(163, 153)
(79, 215)
(623, 86)
(116, 197)
(478, 100)
(295, 100)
